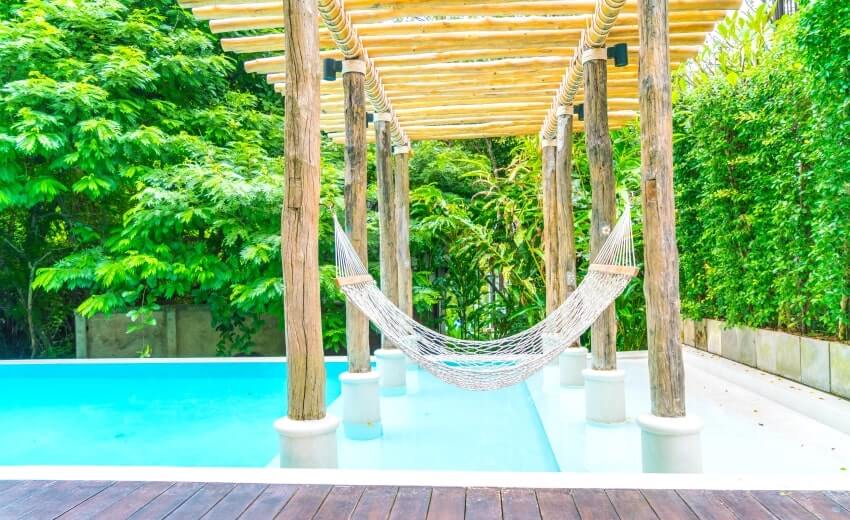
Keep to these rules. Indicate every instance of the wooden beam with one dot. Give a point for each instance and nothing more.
(603, 332)
(356, 323)
(386, 216)
(661, 257)
(365, 22)
(402, 206)
(300, 217)
(383, 11)
(550, 226)
(275, 63)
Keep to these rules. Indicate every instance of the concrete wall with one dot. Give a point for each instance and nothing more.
(180, 331)
(821, 364)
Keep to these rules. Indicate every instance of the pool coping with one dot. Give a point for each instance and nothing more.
(431, 478)
(158, 360)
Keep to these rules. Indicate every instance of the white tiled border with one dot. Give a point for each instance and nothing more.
(426, 478)
(156, 361)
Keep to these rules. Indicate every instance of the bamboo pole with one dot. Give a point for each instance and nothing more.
(356, 323)
(461, 41)
(382, 11)
(402, 207)
(274, 64)
(661, 257)
(367, 26)
(386, 214)
(566, 229)
(603, 333)
(300, 217)
(550, 226)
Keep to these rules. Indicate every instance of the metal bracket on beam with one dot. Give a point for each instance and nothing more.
(353, 66)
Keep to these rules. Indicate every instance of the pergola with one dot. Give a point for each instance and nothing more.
(460, 69)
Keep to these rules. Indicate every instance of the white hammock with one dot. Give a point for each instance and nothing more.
(488, 365)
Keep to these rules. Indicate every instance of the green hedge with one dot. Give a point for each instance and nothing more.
(763, 183)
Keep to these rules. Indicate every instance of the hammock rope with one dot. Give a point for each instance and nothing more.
(493, 364)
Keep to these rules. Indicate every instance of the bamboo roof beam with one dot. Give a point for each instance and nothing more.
(415, 44)
(275, 64)
(402, 9)
(365, 22)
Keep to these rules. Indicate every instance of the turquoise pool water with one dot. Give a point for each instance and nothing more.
(221, 414)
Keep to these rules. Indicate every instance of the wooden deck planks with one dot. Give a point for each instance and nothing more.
(668, 504)
(483, 504)
(270, 502)
(630, 503)
(304, 503)
(820, 504)
(782, 505)
(594, 504)
(556, 504)
(519, 504)
(411, 503)
(166, 502)
(743, 505)
(55, 500)
(340, 503)
(199, 503)
(375, 503)
(91, 507)
(236, 501)
(706, 505)
(70, 500)
(447, 503)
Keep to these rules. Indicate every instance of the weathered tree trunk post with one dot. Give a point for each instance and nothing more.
(551, 340)
(361, 417)
(670, 439)
(550, 225)
(307, 435)
(357, 324)
(402, 207)
(566, 225)
(574, 359)
(605, 389)
(391, 361)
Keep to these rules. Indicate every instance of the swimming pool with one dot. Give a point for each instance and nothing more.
(221, 413)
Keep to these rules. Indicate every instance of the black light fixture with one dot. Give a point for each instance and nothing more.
(620, 53)
(578, 110)
(330, 67)
(370, 118)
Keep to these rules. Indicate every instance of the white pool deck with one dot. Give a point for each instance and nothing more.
(761, 432)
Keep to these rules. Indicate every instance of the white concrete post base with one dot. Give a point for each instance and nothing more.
(552, 342)
(361, 405)
(573, 361)
(670, 444)
(392, 367)
(605, 395)
(307, 444)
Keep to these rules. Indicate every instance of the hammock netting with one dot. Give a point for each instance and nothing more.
(493, 364)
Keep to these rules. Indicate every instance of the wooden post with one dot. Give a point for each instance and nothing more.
(603, 333)
(386, 214)
(661, 258)
(356, 323)
(402, 208)
(566, 229)
(300, 214)
(550, 225)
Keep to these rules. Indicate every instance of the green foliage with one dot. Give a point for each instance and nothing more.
(764, 186)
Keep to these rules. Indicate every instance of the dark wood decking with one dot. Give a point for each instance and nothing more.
(189, 500)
